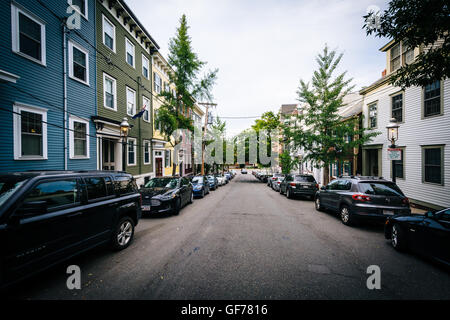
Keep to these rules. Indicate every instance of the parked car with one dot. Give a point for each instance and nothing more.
(356, 198)
(166, 195)
(276, 184)
(213, 182)
(273, 178)
(200, 186)
(427, 234)
(299, 185)
(48, 217)
(229, 176)
(244, 171)
(220, 179)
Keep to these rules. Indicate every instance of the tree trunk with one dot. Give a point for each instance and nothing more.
(326, 175)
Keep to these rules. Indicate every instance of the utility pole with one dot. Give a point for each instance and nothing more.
(207, 105)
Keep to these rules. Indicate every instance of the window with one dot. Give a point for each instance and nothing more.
(109, 34)
(433, 164)
(146, 104)
(131, 102)
(125, 185)
(30, 133)
(168, 160)
(82, 5)
(110, 92)
(344, 185)
(78, 63)
(109, 186)
(146, 152)
(395, 57)
(57, 194)
(397, 107)
(373, 116)
(432, 99)
(129, 48)
(399, 167)
(333, 185)
(166, 87)
(380, 188)
(145, 66)
(96, 188)
(28, 35)
(131, 151)
(79, 141)
(157, 82)
(407, 55)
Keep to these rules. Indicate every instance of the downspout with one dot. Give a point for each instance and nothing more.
(140, 144)
(65, 93)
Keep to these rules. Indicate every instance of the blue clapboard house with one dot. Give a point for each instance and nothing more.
(47, 85)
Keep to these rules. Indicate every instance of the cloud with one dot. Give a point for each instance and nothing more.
(263, 48)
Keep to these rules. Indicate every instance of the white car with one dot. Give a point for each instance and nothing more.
(221, 180)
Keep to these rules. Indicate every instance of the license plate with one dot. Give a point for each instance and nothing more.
(388, 212)
(146, 208)
(305, 187)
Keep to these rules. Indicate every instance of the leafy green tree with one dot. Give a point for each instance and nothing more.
(322, 133)
(186, 65)
(270, 122)
(418, 23)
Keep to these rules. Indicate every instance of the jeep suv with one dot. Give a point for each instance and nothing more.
(48, 217)
(358, 197)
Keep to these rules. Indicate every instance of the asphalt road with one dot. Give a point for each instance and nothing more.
(245, 241)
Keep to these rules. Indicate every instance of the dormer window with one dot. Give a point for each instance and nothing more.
(395, 57)
(401, 55)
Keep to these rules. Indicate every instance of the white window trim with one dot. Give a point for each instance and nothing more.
(149, 151)
(157, 82)
(104, 18)
(17, 128)
(134, 92)
(106, 76)
(134, 52)
(86, 52)
(86, 5)
(135, 152)
(144, 58)
(148, 108)
(15, 10)
(73, 119)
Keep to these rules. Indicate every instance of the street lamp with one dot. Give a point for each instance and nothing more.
(392, 129)
(124, 129)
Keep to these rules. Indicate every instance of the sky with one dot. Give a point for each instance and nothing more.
(263, 48)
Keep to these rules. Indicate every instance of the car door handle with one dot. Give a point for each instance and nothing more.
(75, 214)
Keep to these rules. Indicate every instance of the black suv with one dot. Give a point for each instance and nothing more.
(48, 217)
(358, 197)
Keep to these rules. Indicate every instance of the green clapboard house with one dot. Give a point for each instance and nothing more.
(124, 89)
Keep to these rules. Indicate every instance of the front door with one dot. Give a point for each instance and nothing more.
(372, 163)
(109, 161)
(159, 167)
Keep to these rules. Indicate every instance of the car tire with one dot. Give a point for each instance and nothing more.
(318, 204)
(398, 238)
(288, 194)
(203, 194)
(346, 216)
(123, 234)
(177, 207)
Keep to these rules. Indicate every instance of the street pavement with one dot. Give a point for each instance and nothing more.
(245, 241)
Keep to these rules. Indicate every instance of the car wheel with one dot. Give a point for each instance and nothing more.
(191, 199)
(288, 193)
(123, 234)
(398, 238)
(318, 204)
(346, 216)
(203, 194)
(177, 208)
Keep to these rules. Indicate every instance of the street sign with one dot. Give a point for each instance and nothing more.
(395, 154)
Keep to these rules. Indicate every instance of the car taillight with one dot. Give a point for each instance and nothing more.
(278, 182)
(405, 201)
(293, 184)
(274, 178)
(361, 197)
(317, 186)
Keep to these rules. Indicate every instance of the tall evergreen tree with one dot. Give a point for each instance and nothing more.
(188, 85)
(321, 131)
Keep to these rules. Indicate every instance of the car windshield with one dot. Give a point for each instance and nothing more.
(197, 180)
(170, 183)
(8, 186)
(380, 188)
(304, 178)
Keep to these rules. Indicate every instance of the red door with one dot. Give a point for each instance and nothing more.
(159, 167)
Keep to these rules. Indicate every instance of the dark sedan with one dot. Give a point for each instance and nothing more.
(357, 198)
(299, 185)
(166, 195)
(427, 234)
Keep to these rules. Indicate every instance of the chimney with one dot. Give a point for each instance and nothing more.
(383, 73)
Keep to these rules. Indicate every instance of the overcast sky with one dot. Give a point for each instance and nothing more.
(264, 47)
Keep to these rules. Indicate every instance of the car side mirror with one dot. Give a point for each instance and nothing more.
(429, 214)
(33, 208)
(323, 188)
